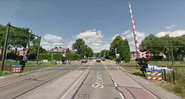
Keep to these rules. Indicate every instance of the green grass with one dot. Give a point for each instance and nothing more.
(3, 73)
(158, 63)
(31, 64)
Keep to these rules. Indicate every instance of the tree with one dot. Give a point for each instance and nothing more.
(121, 50)
(79, 45)
(16, 38)
(127, 51)
(19, 38)
(89, 52)
(114, 45)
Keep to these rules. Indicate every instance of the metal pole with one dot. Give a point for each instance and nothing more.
(174, 76)
(38, 50)
(5, 44)
(172, 53)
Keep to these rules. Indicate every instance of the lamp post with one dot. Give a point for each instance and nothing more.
(5, 44)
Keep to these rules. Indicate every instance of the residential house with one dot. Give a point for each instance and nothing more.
(44, 51)
(59, 50)
(73, 52)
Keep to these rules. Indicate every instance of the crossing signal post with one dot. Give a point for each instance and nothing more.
(142, 61)
(22, 54)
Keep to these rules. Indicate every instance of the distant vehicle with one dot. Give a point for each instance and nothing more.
(98, 60)
(84, 60)
(11, 60)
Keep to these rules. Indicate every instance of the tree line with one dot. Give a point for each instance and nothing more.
(82, 48)
(122, 47)
(164, 45)
(18, 38)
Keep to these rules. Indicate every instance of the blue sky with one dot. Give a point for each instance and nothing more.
(96, 21)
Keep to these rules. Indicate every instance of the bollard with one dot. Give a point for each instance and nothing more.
(174, 76)
(165, 74)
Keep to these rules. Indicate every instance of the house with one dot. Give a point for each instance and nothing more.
(44, 51)
(73, 52)
(7, 51)
(59, 50)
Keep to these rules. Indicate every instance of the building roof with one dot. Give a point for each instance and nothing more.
(57, 50)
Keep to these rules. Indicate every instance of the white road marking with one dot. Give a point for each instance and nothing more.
(121, 96)
(99, 80)
(80, 67)
(114, 82)
(74, 84)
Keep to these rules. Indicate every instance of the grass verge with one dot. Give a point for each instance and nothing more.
(158, 63)
(32, 64)
(4, 73)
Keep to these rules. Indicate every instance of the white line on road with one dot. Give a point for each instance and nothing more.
(79, 67)
(114, 82)
(74, 84)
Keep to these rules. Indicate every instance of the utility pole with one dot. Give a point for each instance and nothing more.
(5, 44)
(38, 50)
(172, 53)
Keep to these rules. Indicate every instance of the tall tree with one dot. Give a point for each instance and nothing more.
(127, 51)
(114, 45)
(16, 38)
(79, 45)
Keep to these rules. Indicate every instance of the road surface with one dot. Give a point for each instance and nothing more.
(90, 80)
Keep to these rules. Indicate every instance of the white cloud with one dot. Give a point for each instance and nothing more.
(90, 36)
(93, 38)
(126, 32)
(130, 38)
(52, 38)
(169, 27)
(44, 43)
(113, 37)
(49, 45)
(171, 33)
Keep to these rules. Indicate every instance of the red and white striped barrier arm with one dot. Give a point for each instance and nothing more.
(15, 69)
(154, 73)
(155, 78)
(134, 31)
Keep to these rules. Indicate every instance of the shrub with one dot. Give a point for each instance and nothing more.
(110, 57)
(58, 56)
(2, 73)
(103, 59)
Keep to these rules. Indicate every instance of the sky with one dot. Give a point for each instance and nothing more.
(98, 22)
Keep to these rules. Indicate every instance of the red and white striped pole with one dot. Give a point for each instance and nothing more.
(134, 31)
(65, 47)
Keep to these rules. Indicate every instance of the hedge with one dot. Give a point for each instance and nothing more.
(58, 56)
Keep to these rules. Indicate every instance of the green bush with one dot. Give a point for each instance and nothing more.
(103, 59)
(110, 57)
(2, 73)
(58, 56)
(114, 59)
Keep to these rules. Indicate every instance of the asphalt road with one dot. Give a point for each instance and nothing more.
(90, 80)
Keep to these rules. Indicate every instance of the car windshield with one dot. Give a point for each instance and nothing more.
(83, 58)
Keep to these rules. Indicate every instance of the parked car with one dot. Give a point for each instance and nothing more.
(11, 60)
(84, 60)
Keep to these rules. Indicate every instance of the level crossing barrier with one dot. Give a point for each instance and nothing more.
(16, 68)
(152, 72)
